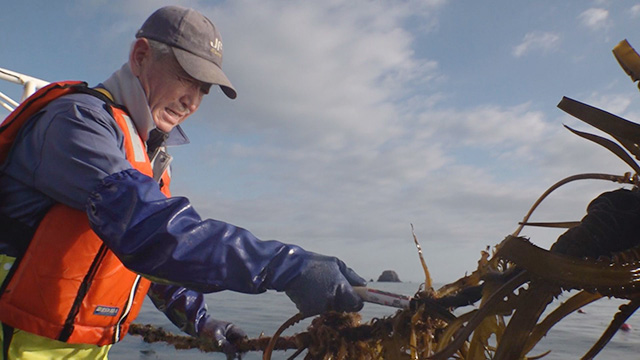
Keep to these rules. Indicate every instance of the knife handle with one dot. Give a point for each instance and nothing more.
(382, 297)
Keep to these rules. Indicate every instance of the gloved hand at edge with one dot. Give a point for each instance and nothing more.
(187, 310)
(224, 334)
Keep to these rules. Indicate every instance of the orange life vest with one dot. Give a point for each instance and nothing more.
(68, 285)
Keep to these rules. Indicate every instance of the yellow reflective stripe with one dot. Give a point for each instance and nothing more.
(105, 92)
(138, 148)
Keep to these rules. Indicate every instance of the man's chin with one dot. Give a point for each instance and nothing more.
(164, 125)
(165, 128)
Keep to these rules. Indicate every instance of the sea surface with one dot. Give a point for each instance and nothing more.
(264, 313)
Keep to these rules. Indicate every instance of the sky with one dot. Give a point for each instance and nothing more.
(356, 120)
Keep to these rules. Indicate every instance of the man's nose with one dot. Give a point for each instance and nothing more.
(191, 99)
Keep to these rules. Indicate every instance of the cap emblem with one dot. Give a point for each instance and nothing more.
(216, 47)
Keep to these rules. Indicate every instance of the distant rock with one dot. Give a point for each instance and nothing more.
(389, 276)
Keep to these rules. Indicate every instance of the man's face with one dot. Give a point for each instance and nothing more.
(172, 94)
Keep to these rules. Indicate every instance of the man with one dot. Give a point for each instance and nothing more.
(88, 218)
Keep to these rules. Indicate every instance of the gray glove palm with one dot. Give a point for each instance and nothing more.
(325, 283)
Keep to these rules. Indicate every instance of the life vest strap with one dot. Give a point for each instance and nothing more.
(7, 335)
(16, 234)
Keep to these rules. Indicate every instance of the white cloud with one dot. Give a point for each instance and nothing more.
(537, 41)
(635, 11)
(594, 18)
(328, 72)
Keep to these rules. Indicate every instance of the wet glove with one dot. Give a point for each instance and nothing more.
(224, 334)
(611, 225)
(325, 283)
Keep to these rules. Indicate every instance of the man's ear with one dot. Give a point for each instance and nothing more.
(140, 54)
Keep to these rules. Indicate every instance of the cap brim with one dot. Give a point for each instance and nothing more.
(204, 70)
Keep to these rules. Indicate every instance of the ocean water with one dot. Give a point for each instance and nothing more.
(264, 313)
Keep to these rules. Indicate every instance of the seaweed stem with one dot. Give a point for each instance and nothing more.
(428, 284)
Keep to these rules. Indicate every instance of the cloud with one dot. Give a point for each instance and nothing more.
(635, 11)
(330, 73)
(537, 41)
(594, 18)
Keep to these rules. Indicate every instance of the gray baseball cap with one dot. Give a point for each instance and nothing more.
(195, 41)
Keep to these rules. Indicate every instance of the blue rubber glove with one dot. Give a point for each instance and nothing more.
(223, 333)
(188, 311)
(185, 308)
(325, 284)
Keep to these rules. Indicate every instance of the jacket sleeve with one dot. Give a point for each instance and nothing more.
(165, 240)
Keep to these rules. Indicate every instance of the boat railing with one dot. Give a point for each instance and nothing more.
(29, 85)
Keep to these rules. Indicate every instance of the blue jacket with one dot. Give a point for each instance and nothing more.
(72, 153)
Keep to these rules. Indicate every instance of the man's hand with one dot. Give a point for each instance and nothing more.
(223, 333)
(325, 283)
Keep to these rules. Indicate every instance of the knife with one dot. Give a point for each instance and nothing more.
(383, 297)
